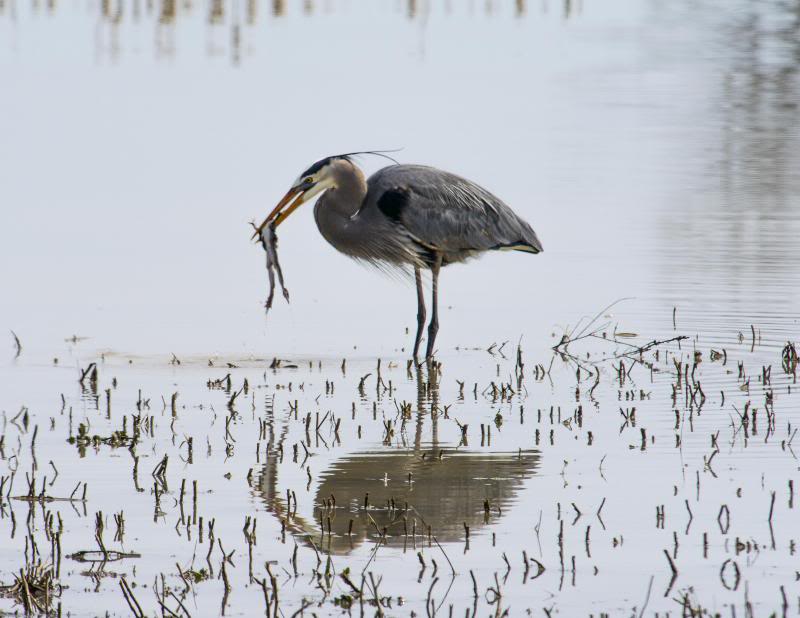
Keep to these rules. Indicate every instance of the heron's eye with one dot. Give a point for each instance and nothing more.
(308, 179)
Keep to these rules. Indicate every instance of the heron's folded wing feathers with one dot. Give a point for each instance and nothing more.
(448, 213)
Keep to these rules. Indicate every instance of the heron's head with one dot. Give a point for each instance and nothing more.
(313, 181)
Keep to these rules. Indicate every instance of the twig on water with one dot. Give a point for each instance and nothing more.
(674, 573)
(130, 599)
(452, 568)
(17, 344)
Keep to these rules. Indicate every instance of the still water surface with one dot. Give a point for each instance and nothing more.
(654, 147)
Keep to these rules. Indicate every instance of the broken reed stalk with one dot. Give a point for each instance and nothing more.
(17, 344)
(130, 599)
(34, 588)
(674, 570)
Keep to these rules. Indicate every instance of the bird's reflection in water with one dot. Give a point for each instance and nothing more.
(443, 494)
(418, 488)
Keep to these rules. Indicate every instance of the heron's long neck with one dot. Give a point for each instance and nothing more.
(335, 209)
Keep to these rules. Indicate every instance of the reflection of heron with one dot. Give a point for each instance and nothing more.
(406, 216)
(444, 494)
(447, 488)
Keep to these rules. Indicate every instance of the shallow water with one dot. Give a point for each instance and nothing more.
(653, 147)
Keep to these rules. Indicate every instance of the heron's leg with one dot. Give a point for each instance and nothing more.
(420, 310)
(433, 327)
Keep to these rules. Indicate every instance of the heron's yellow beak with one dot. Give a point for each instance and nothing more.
(290, 202)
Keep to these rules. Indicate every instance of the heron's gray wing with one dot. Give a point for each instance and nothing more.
(447, 213)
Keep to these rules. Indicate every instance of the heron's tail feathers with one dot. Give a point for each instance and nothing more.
(520, 246)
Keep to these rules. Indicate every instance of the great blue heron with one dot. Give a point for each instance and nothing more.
(406, 216)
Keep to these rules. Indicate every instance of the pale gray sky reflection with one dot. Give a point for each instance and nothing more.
(653, 147)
